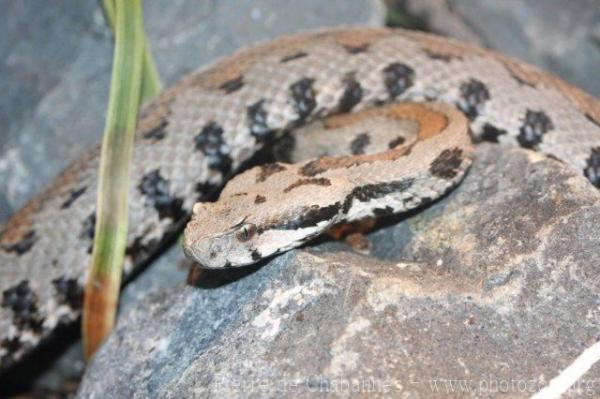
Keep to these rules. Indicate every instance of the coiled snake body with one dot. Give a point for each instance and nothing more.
(421, 93)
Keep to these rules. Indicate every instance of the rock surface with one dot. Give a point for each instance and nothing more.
(491, 290)
(562, 37)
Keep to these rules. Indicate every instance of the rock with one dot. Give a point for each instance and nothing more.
(492, 289)
(564, 39)
(54, 79)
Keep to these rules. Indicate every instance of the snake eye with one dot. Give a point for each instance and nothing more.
(246, 232)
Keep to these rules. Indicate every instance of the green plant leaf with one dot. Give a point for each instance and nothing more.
(151, 84)
(104, 278)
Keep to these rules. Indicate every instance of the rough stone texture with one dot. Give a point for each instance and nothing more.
(55, 66)
(54, 76)
(563, 37)
(58, 374)
(492, 289)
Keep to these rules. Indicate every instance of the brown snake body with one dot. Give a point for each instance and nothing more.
(199, 131)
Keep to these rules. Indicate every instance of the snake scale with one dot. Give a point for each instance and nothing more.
(426, 91)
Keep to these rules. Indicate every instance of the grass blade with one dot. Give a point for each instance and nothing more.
(151, 84)
(104, 279)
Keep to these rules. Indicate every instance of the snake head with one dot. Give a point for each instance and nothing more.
(218, 245)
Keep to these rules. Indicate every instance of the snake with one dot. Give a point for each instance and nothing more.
(407, 106)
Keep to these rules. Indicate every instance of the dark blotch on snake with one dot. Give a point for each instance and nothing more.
(206, 189)
(73, 195)
(360, 142)
(23, 302)
(295, 56)
(11, 345)
(157, 192)
(138, 251)
(473, 96)
(212, 144)
(381, 212)
(268, 170)
(259, 199)
(320, 181)
(352, 95)
(536, 124)
(398, 78)
(396, 142)
(320, 165)
(357, 49)
(312, 168)
(158, 133)
(520, 80)
(68, 292)
(88, 229)
(232, 85)
(592, 169)
(283, 150)
(256, 115)
(373, 191)
(311, 216)
(445, 57)
(447, 164)
(24, 245)
(491, 133)
(303, 97)
(256, 256)
(594, 121)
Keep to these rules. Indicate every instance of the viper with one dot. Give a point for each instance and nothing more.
(376, 121)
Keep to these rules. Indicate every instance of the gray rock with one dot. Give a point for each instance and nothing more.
(492, 289)
(562, 37)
